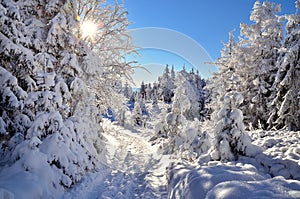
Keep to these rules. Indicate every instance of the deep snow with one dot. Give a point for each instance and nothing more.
(136, 169)
(259, 177)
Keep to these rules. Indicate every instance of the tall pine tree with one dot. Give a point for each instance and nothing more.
(285, 106)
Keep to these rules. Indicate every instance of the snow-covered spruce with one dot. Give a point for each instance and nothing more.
(260, 43)
(178, 127)
(284, 111)
(48, 115)
(231, 139)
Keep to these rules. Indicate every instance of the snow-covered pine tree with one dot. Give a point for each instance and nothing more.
(286, 103)
(166, 86)
(143, 90)
(127, 91)
(17, 67)
(261, 42)
(230, 136)
(173, 74)
(149, 92)
(155, 107)
(45, 73)
(178, 130)
(220, 84)
(137, 114)
(188, 99)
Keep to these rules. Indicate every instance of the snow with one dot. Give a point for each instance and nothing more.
(137, 169)
(264, 176)
(133, 169)
(55, 85)
(231, 180)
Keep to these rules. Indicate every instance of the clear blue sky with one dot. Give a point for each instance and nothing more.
(205, 21)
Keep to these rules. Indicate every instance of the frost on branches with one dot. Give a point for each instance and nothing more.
(112, 43)
(178, 130)
(48, 114)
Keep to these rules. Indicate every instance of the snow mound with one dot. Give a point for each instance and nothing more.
(230, 180)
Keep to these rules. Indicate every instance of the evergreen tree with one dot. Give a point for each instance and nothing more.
(229, 66)
(259, 53)
(137, 114)
(166, 86)
(188, 99)
(143, 90)
(173, 74)
(285, 113)
(127, 90)
(230, 136)
(49, 114)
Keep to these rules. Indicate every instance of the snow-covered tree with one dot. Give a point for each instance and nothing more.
(178, 130)
(229, 67)
(111, 41)
(143, 91)
(231, 139)
(127, 91)
(285, 112)
(226, 120)
(173, 74)
(261, 42)
(166, 86)
(137, 114)
(49, 115)
(188, 99)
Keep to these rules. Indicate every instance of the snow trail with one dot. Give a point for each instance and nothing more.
(133, 170)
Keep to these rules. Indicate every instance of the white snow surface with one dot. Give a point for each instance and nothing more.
(134, 169)
(271, 174)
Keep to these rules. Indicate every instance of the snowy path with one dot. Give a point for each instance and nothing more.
(134, 170)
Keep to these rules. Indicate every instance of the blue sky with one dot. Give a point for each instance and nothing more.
(207, 22)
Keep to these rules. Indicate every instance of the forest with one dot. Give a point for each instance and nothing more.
(67, 105)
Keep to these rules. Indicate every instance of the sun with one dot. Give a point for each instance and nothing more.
(88, 29)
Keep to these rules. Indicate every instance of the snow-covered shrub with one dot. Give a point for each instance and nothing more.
(231, 139)
(177, 135)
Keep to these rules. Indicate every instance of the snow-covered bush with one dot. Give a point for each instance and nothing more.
(231, 139)
(177, 135)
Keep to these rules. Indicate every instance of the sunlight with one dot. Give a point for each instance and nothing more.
(88, 29)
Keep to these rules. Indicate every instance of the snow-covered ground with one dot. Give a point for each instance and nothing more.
(134, 169)
(258, 177)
